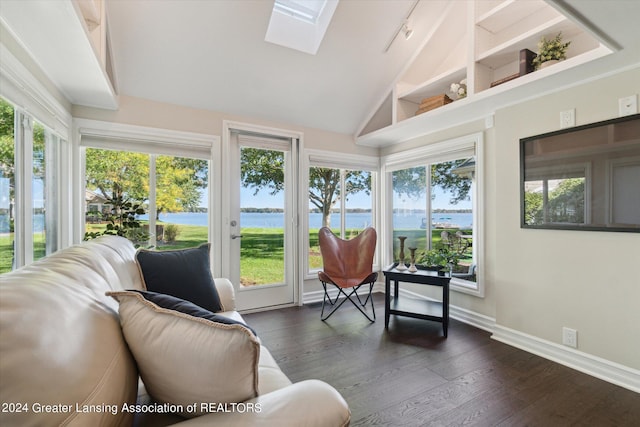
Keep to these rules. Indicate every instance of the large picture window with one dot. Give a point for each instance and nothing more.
(434, 202)
(154, 201)
(149, 185)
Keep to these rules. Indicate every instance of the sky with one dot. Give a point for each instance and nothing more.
(264, 200)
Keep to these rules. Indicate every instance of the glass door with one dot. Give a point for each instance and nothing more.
(261, 225)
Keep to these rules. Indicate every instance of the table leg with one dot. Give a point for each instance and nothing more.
(445, 309)
(387, 301)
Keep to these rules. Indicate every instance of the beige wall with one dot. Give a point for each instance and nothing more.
(143, 112)
(538, 281)
(546, 279)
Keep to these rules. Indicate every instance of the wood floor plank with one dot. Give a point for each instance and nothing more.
(410, 375)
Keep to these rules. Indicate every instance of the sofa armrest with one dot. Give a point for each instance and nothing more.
(310, 403)
(226, 292)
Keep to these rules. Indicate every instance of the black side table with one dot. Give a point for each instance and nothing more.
(437, 311)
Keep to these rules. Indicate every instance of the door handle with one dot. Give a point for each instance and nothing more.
(236, 236)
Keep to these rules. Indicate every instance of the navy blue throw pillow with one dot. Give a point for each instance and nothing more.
(172, 303)
(184, 274)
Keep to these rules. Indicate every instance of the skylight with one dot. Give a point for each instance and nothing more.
(300, 24)
(305, 10)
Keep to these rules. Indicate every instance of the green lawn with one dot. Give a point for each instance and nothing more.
(6, 250)
(262, 249)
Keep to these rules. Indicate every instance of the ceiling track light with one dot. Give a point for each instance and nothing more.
(403, 28)
(408, 32)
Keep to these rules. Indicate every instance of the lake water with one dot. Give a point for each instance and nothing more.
(353, 220)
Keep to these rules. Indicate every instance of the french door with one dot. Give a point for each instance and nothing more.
(261, 227)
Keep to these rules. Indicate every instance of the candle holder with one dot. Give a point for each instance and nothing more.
(412, 267)
(401, 265)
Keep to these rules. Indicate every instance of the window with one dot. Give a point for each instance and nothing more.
(168, 174)
(341, 197)
(557, 196)
(7, 187)
(154, 201)
(434, 194)
(28, 187)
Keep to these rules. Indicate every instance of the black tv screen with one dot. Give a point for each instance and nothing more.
(582, 178)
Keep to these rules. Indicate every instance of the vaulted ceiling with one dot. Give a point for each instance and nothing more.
(213, 55)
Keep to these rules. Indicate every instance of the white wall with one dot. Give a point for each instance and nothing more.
(538, 281)
(546, 279)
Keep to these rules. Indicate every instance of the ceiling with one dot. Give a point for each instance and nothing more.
(211, 54)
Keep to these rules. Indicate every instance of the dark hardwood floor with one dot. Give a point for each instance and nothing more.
(411, 376)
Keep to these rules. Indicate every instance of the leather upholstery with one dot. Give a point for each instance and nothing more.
(61, 343)
(347, 263)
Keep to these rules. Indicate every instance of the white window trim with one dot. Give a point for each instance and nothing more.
(20, 87)
(111, 135)
(439, 151)
(31, 98)
(322, 158)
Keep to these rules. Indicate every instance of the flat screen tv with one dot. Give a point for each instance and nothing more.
(582, 178)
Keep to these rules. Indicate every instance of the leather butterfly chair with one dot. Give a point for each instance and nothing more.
(347, 265)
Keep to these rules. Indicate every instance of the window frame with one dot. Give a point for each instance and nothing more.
(152, 141)
(342, 161)
(31, 101)
(445, 150)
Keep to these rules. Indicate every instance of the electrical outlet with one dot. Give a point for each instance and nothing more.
(567, 118)
(489, 121)
(570, 337)
(628, 105)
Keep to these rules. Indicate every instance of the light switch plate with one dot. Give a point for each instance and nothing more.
(568, 118)
(628, 105)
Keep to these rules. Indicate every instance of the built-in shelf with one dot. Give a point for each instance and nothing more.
(434, 86)
(499, 30)
(505, 13)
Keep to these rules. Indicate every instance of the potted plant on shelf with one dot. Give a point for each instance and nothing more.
(550, 51)
(459, 89)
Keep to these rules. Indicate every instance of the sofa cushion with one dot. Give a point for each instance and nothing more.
(187, 307)
(182, 273)
(61, 343)
(184, 359)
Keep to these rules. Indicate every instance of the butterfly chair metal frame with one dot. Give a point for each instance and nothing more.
(347, 264)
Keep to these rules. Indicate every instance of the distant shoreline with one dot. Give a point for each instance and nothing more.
(360, 210)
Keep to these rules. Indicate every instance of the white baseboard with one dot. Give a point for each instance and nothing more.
(603, 369)
(469, 317)
(606, 370)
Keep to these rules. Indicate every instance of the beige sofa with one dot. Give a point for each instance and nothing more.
(64, 359)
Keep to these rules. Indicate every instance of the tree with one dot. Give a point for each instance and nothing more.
(533, 213)
(178, 183)
(118, 174)
(412, 182)
(122, 175)
(7, 162)
(7, 149)
(324, 188)
(443, 175)
(265, 169)
(566, 201)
